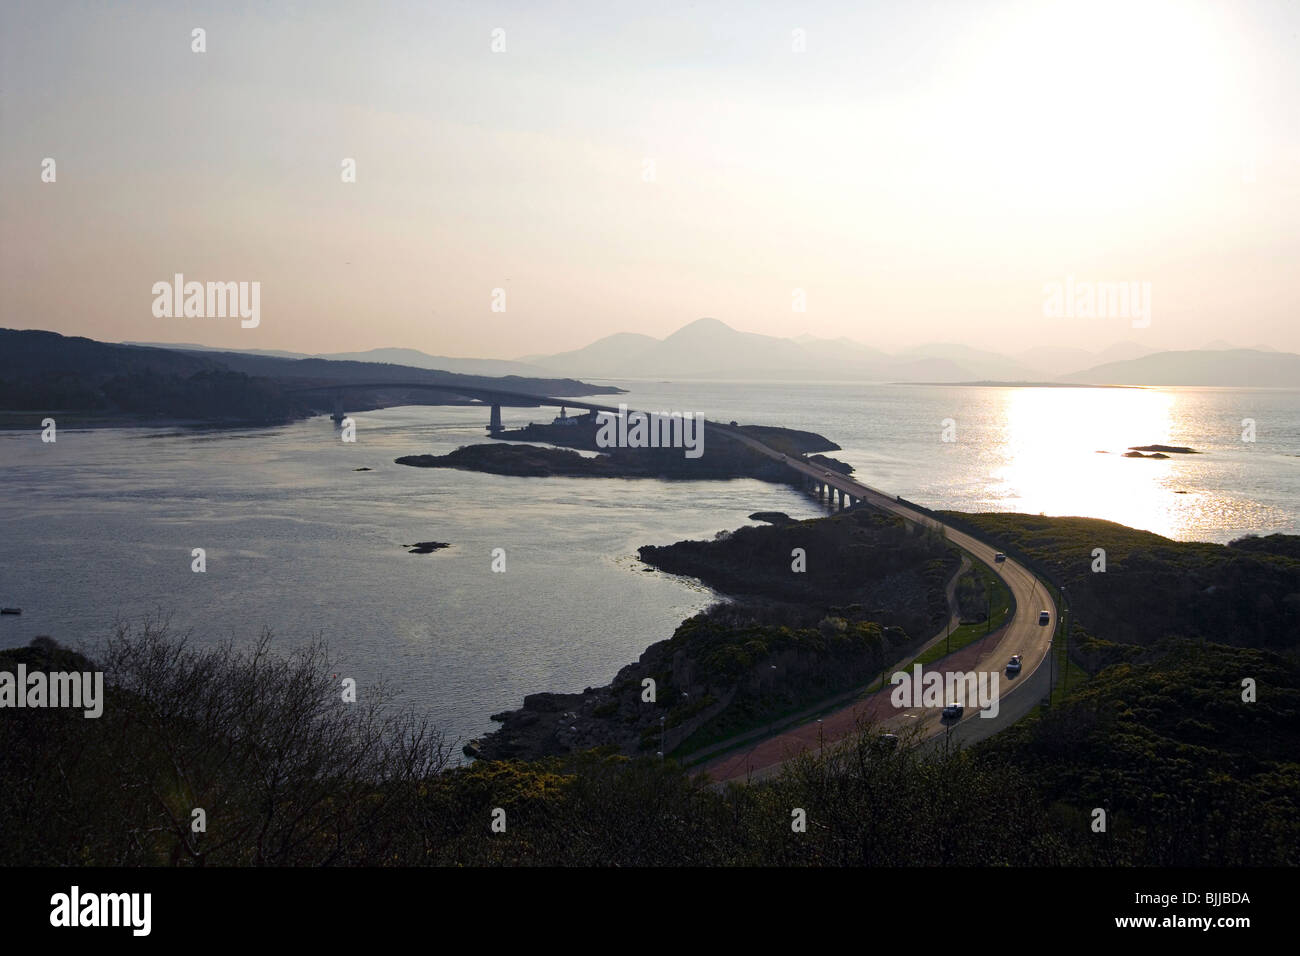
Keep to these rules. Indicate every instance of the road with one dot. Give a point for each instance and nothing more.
(1021, 635)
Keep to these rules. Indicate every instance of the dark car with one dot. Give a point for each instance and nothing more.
(1013, 665)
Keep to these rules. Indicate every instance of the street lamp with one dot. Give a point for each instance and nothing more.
(1051, 672)
(1065, 628)
(771, 715)
(988, 612)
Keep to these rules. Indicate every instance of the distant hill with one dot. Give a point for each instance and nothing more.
(984, 365)
(608, 356)
(411, 358)
(414, 358)
(42, 372)
(1231, 367)
(710, 349)
(30, 353)
(1053, 360)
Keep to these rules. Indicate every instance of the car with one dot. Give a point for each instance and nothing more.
(1013, 665)
(952, 711)
(887, 742)
(1044, 617)
(999, 557)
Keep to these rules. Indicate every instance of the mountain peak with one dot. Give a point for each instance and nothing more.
(704, 325)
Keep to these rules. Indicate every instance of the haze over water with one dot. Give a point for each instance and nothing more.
(101, 523)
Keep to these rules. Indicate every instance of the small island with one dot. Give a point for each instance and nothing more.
(723, 457)
(1165, 450)
(426, 547)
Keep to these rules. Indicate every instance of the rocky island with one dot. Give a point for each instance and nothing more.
(724, 457)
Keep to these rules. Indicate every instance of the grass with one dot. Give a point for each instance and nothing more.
(969, 633)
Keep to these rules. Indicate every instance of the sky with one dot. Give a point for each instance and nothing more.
(917, 172)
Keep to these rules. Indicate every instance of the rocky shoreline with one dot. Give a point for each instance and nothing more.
(729, 666)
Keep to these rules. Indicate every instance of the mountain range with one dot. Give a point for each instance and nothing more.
(710, 349)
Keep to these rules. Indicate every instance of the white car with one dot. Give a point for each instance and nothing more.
(1044, 617)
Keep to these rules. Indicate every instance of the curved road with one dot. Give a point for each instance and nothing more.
(1021, 635)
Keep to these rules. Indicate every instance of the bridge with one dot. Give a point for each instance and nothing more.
(494, 398)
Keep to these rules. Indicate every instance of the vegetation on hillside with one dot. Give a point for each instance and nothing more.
(895, 571)
(1188, 744)
(1245, 594)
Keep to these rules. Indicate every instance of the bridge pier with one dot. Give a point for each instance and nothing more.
(494, 423)
(338, 415)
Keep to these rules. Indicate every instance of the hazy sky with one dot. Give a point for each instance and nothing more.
(922, 171)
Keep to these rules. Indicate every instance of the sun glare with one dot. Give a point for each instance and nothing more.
(1063, 454)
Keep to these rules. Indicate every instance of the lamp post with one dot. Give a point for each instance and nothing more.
(988, 613)
(1051, 672)
(1065, 628)
(771, 715)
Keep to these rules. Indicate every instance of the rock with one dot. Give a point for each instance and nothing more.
(772, 517)
(1172, 449)
(426, 547)
(545, 702)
